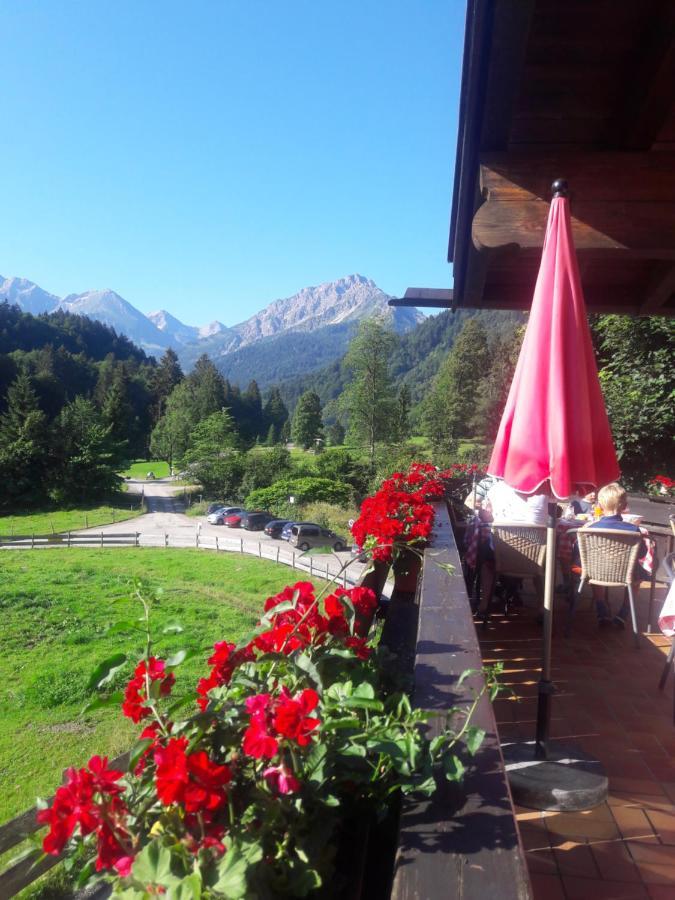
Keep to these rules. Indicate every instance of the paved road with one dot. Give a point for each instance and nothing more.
(167, 522)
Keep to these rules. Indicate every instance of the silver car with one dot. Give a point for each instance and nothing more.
(218, 517)
(304, 537)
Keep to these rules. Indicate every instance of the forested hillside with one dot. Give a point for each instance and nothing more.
(76, 401)
(415, 360)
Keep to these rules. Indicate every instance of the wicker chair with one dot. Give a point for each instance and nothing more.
(608, 557)
(669, 567)
(520, 551)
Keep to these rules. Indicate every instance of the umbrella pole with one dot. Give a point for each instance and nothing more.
(546, 689)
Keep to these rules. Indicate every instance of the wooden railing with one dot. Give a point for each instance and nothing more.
(463, 841)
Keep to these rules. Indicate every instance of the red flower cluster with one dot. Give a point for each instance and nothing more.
(399, 512)
(136, 693)
(223, 661)
(664, 481)
(90, 800)
(282, 717)
(190, 779)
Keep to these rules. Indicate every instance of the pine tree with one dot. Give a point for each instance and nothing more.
(403, 405)
(253, 425)
(450, 408)
(207, 389)
(271, 435)
(166, 376)
(275, 412)
(307, 422)
(368, 399)
(23, 442)
(88, 457)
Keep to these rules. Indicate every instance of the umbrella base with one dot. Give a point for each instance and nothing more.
(568, 780)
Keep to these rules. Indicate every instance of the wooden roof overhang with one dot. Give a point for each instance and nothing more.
(565, 89)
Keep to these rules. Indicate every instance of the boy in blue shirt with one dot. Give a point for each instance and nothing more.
(613, 500)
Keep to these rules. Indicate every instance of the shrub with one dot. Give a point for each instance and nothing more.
(330, 515)
(304, 490)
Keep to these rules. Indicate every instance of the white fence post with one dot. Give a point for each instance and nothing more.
(166, 538)
(277, 554)
(311, 567)
(101, 539)
(217, 547)
(241, 545)
(293, 558)
(69, 539)
(137, 536)
(259, 549)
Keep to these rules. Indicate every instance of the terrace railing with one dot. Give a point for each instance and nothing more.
(463, 841)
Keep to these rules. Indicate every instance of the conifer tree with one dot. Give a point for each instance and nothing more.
(23, 441)
(307, 422)
(368, 399)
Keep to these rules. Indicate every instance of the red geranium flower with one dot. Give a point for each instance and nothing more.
(135, 694)
(292, 720)
(189, 778)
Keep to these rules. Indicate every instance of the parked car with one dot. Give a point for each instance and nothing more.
(255, 520)
(286, 530)
(276, 526)
(304, 537)
(219, 516)
(233, 520)
(214, 507)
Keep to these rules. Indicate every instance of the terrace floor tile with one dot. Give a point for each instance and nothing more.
(608, 703)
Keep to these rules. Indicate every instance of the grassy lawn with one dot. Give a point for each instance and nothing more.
(56, 606)
(48, 521)
(140, 468)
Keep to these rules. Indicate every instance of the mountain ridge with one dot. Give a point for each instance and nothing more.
(338, 304)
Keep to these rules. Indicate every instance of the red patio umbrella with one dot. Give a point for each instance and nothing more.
(554, 436)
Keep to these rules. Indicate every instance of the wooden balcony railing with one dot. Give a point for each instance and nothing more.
(462, 842)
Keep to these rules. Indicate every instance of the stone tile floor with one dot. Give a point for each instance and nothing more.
(607, 701)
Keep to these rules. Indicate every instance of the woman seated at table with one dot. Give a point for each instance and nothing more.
(613, 500)
(504, 504)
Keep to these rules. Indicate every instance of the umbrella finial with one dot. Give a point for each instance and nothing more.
(560, 188)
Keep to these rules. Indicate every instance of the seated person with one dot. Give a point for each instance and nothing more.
(476, 498)
(504, 504)
(584, 505)
(613, 500)
(507, 505)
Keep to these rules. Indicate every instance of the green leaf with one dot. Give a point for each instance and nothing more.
(153, 866)
(362, 703)
(233, 867)
(101, 702)
(454, 768)
(187, 889)
(179, 657)
(305, 664)
(474, 738)
(354, 750)
(365, 690)
(104, 671)
(466, 674)
(336, 724)
(173, 629)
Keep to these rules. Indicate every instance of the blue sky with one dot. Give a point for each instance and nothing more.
(210, 157)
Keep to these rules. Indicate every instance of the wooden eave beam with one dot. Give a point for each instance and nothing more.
(434, 298)
(659, 292)
(650, 90)
(622, 202)
(494, 55)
